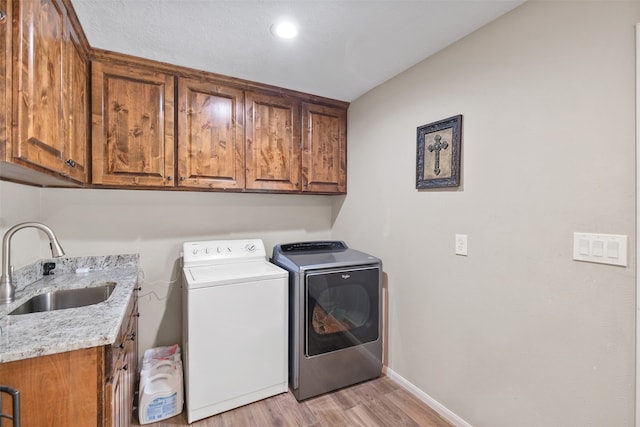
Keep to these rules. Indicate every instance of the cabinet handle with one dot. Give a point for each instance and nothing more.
(71, 163)
(132, 337)
(169, 178)
(125, 367)
(3, 17)
(182, 178)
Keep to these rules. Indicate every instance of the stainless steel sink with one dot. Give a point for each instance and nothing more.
(68, 298)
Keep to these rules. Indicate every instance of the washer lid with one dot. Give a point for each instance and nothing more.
(226, 274)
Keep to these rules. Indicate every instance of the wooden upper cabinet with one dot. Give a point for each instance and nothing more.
(272, 142)
(210, 135)
(41, 41)
(5, 76)
(132, 126)
(324, 151)
(76, 93)
(231, 134)
(39, 74)
(49, 123)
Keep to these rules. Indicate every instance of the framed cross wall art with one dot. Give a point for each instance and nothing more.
(438, 156)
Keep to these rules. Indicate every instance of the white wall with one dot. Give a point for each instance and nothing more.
(637, 216)
(516, 333)
(19, 203)
(155, 224)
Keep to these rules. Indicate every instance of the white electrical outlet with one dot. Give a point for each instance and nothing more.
(461, 244)
(600, 248)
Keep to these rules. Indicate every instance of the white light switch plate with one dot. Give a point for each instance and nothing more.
(461, 244)
(600, 248)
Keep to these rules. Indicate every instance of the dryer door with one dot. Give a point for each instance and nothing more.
(341, 309)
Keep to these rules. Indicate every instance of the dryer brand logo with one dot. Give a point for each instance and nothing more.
(346, 276)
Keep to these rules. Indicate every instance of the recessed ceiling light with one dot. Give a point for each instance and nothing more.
(285, 30)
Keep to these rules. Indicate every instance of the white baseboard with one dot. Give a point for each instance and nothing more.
(442, 410)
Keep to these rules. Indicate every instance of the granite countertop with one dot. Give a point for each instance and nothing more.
(38, 334)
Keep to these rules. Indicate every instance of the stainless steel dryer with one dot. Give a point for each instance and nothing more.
(335, 320)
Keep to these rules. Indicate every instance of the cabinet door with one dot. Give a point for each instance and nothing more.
(76, 97)
(5, 76)
(131, 362)
(122, 368)
(273, 142)
(56, 390)
(324, 151)
(39, 137)
(115, 408)
(132, 126)
(210, 135)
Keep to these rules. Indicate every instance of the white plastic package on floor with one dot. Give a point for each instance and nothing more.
(161, 389)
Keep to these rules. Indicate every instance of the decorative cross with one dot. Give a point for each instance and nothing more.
(437, 147)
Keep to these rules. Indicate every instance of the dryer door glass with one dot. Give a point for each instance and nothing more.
(342, 309)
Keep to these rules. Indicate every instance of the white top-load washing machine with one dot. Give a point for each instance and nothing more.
(234, 326)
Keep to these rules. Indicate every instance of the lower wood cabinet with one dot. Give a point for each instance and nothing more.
(121, 371)
(88, 387)
(57, 390)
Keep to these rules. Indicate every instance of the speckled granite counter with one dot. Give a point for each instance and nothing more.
(37, 334)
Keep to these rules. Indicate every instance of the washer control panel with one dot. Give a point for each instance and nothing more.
(212, 252)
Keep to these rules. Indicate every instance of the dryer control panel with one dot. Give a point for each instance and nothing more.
(212, 252)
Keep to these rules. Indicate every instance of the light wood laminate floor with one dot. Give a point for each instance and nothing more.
(380, 402)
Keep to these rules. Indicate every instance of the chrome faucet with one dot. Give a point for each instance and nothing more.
(7, 287)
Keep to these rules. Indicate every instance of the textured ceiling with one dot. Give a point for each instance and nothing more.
(344, 49)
